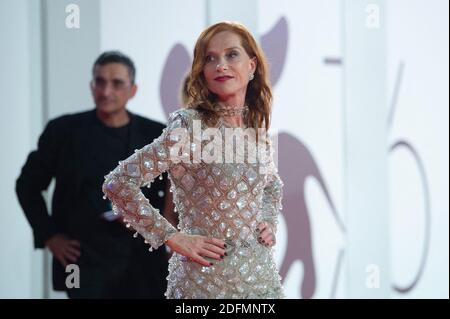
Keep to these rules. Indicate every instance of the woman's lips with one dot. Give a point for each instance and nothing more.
(223, 78)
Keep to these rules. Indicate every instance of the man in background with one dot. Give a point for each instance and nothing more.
(78, 150)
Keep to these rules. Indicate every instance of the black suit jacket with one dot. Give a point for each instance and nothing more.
(70, 150)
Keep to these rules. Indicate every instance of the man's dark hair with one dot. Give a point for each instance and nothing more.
(116, 57)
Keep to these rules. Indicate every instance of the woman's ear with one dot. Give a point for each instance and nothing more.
(253, 64)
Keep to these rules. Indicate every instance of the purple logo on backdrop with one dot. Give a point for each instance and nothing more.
(397, 145)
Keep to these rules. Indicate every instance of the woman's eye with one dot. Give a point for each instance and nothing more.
(209, 59)
(233, 54)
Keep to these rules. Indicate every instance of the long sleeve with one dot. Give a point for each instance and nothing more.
(123, 185)
(273, 192)
(35, 177)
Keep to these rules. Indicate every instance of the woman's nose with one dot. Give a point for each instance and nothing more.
(221, 67)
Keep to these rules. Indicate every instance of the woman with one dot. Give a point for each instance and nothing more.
(227, 211)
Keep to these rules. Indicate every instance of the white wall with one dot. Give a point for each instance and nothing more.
(247, 14)
(308, 106)
(21, 267)
(365, 109)
(69, 55)
(418, 55)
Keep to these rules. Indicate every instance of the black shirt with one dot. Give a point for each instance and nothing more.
(113, 146)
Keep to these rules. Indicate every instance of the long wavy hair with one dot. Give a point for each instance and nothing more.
(259, 92)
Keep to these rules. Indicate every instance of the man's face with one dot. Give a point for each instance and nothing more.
(112, 88)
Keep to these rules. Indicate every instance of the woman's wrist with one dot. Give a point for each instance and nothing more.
(171, 240)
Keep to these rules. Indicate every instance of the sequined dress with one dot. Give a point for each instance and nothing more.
(221, 199)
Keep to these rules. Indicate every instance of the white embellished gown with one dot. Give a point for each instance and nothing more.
(222, 200)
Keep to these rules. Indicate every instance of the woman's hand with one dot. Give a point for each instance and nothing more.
(196, 247)
(266, 234)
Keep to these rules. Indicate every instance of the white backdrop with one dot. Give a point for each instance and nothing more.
(418, 56)
(311, 53)
(308, 106)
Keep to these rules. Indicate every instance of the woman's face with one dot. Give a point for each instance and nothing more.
(227, 66)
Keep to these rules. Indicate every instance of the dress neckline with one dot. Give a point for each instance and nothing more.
(224, 111)
(223, 123)
(229, 110)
